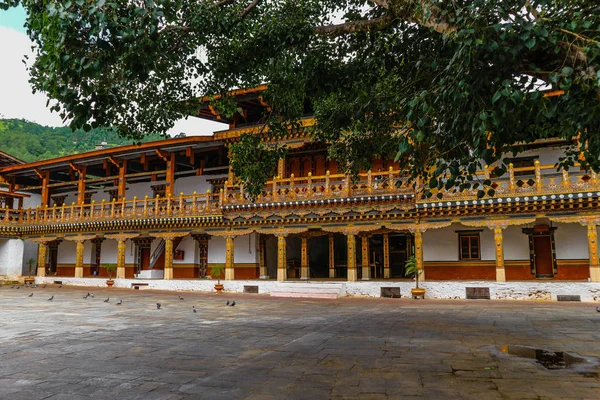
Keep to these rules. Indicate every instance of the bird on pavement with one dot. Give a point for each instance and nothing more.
(12, 287)
(59, 286)
(232, 304)
(92, 295)
(107, 299)
(86, 296)
(44, 287)
(180, 298)
(18, 287)
(598, 309)
(51, 297)
(31, 295)
(158, 306)
(227, 303)
(119, 302)
(34, 286)
(194, 309)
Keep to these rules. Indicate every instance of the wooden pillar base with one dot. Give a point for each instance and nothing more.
(168, 274)
(500, 275)
(78, 272)
(594, 273)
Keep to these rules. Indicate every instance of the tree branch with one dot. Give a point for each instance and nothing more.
(354, 26)
(250, 7)
(381, 3)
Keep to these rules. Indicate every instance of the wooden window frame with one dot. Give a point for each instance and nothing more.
(470, 236)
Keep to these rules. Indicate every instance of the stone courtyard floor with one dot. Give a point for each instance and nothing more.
(271, 348)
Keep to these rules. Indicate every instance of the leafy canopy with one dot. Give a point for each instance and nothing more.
(444, 85)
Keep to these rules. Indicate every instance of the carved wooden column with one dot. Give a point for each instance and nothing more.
(331, 256)
(81, 171)
(263, 257)
(366, 267)
(121, 238)
(499, 240)
(202, 240)
(80, 240)
(304, 268)
(229, 258)
(419, 253)
(168, 238)
(281, 168)
(281, 257)
(41, 262)
(592, 235)
(352, 275)
(42, 253)
(386, 255)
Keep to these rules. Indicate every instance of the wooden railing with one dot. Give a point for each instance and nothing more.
(172, 206)
(527, 181)
(328, 186)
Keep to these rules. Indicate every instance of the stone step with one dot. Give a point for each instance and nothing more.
(308, 290)
(306, 295)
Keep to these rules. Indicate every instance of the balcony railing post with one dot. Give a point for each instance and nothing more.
(37, 214)
(275, 194)
(81, 210)
(194, 202)
(369, 181)
(112, 208)
(169, 204)
(327, 183)
(221, 198)
(538, 176)
(347, 184)
(208, 196)
(594, 179)
(156, 206)
(292, 190)
(565, 179)
(46, 212)
(54, 212)
(180, 203)
(29, 214)
(486, 172)
(511, 177)
(309, 185)
(225, 192)
(62, 212)
(102, 215)
(241, 192)
(145, 212)
(123, 207)
(134, 206)
(7, 214)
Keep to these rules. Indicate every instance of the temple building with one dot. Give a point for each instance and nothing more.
(171, 209)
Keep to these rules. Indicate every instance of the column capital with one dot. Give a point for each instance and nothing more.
(80, 238)
(585, 220)
(43, 240)
(121, 236)
(425, 226)
(168, 235)
(498, 223)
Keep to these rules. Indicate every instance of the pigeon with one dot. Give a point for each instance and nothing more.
(119, 302)
(51, 297)
(598, 309)
(107, 299)
(12, 287)
(85, 297)
(31, 295)
(227, 303)
(44, 287)
(158, 306)
(18, 287)
(180, 298)
(59, 286)
(194, 309)
(34, 286)
(232, 304)
(92, 295)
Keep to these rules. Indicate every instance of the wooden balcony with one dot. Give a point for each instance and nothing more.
(539, 180)
(195, 205)
(325, 187)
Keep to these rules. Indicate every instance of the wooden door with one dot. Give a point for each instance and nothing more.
(53, 259)
(542, 251)
(144, 258)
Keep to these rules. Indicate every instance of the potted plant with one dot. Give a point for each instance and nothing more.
(110, 270)
(216, 271)
(31, 263)
(411, 271)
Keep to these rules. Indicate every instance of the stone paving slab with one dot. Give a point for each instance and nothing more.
(284, 348)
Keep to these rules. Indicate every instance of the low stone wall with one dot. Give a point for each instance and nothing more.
(520, 290)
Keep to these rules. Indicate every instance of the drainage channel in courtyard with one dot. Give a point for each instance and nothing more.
(549, 359)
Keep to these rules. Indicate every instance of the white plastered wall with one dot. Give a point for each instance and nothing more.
(244, 250)
(571, 241)
(109, 252)
(189, 246)
(516, 244)
(442, 244)
(11, 257)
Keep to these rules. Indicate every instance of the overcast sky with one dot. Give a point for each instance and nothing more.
(16, 99)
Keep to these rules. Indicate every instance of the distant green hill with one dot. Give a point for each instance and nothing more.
(29, 141)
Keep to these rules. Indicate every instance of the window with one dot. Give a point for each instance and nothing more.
(468, 246)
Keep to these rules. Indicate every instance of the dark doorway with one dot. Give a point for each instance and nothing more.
(52, 259)
(542, 252)
(143, 258)
(400, 251)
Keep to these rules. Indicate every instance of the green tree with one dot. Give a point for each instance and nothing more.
(445, 85)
